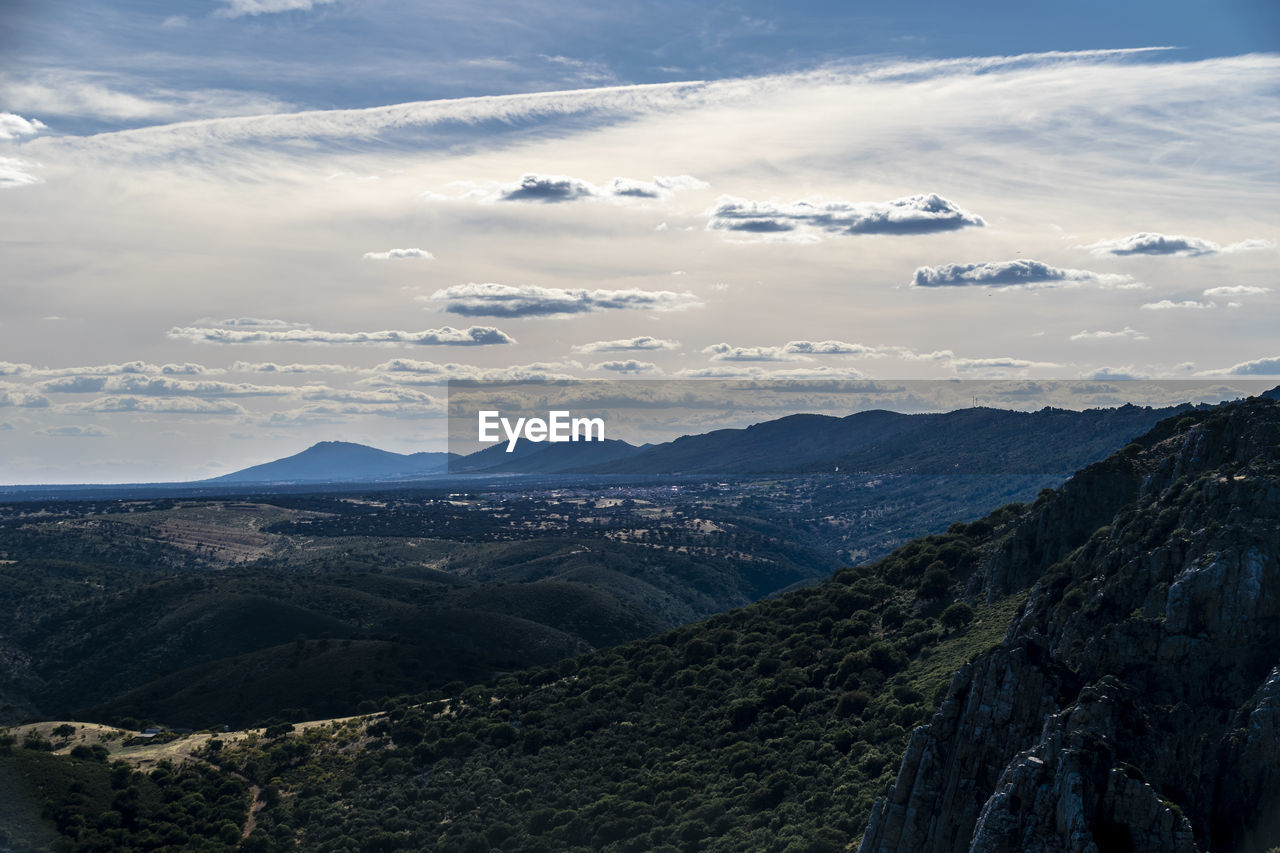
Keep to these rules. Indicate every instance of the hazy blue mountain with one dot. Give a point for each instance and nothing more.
(529, 457)
(977, 440)
(340, 461)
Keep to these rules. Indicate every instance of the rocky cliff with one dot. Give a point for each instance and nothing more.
(1134, 704)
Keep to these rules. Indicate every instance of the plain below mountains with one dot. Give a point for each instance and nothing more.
(965, 441)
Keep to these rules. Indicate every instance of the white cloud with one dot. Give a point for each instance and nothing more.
(838, 348)
(13, 173)
(22, 398)
(89, 431)
(1236, 290)
(150, 386)
(14, 126)
(158, 405)
(502, 300)
(399, 255)
(119, 97)
(1019, 273)
(552, 189)
(969, 364)
(1257, 367)
(139, 368)
(272, 367)
(636, 344)
(403, 371)
(630, 366)
(239, 8)
(1102, 334)
(446, 336)
(727, 352)
(1151, 243)
(1170, 305)
(10, 368)
(918, 214)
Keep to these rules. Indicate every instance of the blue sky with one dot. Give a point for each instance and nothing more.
(233, 228)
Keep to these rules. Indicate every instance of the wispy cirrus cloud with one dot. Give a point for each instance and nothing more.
(1152, 243)
(1171, 305)
(445, 336)
(918, 214)
(502, 300)
(1103, 334)
(1018, 273)
(1236, 290)
(105, 96)
(240, 8)
(400, 255)
(74, 431)
(13, 173)
(641, 343)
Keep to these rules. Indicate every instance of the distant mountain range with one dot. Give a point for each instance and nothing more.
(342, 461)
(976, 440)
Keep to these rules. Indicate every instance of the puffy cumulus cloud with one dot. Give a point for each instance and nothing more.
(379, 397)
(403, 371)
(10, 368)
(1170, 305)
(1258, 367)
(642, 343)
(253, 323)
(630, 366)
(157, 405)
(551, 189)
(546, 189)
(1117, 373)
(22, 398)
(240, 8)
(1236, 290)
(447, 336)
(503, 300)
(1019, 273)
(13, 173)
(659, 187)
(153, 386)
(1102, 334)
(918, 214)
(400, 255)
(15, 126)
(840, 348)
(139, 368)
(727, 352)
(1151, 243)
(74, 431)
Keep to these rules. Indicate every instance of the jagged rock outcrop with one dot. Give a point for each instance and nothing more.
(1134, 704)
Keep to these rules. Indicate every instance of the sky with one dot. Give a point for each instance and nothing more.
(230, 229)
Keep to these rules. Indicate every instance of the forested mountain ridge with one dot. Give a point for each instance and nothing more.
(1135, 606)
(1135, 696)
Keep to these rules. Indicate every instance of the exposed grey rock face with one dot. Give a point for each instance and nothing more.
(1134, 704)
